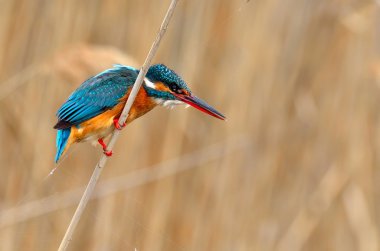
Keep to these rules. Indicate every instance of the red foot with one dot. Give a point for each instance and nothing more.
(116, 124)
(107, 153)
(101, 142)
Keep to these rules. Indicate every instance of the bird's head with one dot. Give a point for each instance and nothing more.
(168, 89)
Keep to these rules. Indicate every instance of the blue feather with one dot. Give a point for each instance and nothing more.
(97, 94)
(61, 141)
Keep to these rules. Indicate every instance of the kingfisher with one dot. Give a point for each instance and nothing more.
(92, 111)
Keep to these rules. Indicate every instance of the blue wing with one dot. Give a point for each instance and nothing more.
(95, 95)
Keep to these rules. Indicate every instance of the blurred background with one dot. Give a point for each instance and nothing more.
(295, 167)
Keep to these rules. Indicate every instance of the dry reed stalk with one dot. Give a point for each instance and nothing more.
(301, 228)
(123, 117)
(359, 218)
(243, 63)
(10, 85)
(134, 179)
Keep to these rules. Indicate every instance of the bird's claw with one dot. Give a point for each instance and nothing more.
(104, 146)
(117, 125)
(107, 153)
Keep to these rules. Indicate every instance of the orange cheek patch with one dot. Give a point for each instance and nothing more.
(161, 87)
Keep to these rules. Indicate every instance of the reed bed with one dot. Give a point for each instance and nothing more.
(295, 167)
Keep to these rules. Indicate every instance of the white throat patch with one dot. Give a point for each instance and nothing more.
(168, 103)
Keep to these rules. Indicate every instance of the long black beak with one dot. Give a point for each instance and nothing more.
(200, 105)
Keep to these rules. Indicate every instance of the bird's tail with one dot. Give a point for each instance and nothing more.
(61, 142)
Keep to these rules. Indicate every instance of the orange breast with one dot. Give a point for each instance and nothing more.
(102, 125)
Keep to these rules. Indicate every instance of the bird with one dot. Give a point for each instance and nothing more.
(92, 111)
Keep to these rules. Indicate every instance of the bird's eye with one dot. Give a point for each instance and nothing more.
(174, 87)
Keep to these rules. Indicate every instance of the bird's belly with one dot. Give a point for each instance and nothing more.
(97, 134)
(98, 127)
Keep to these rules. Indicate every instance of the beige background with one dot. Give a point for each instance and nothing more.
(295, 167)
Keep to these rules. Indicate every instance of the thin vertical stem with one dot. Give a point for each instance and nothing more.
(103, 160)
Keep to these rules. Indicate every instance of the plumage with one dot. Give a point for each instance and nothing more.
(96, 95)
(62, 137)
(91, 111)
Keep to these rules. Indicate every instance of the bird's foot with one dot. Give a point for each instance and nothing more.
(104, 146)
(117, 125)
(108, 153)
